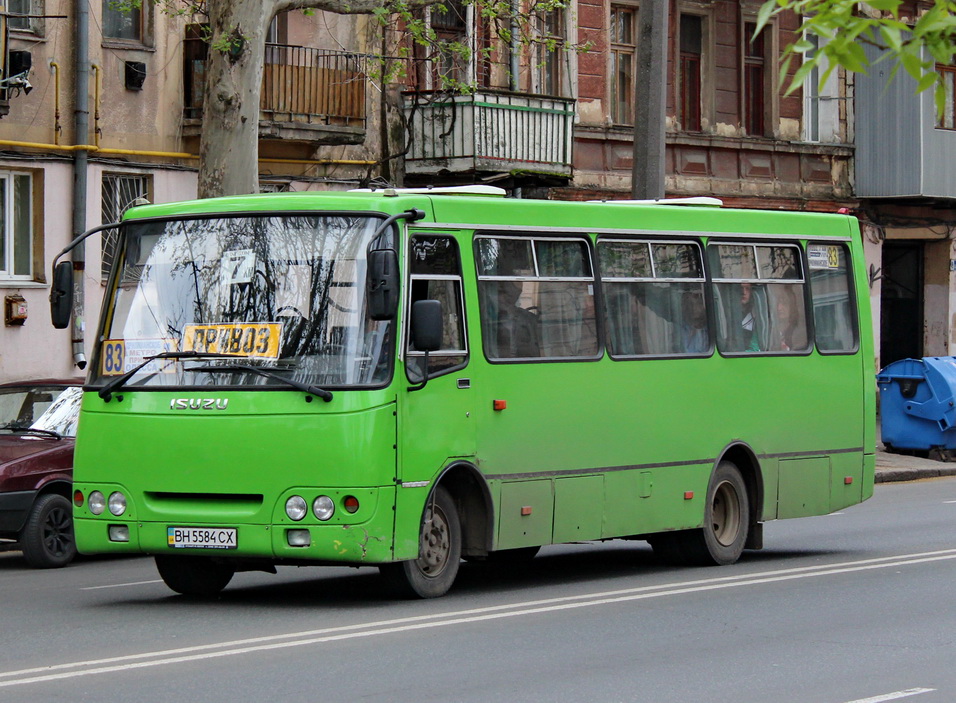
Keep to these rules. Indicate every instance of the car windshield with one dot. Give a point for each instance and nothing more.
(42, 408)
(281, 293)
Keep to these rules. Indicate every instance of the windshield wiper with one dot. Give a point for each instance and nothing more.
(14, 427)
(304, 387)
(106, 392)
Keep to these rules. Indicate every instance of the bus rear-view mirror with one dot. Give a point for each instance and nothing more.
(426, 325)
(61, 295)
(382, 284)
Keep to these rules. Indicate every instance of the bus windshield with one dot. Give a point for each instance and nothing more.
(280, 294)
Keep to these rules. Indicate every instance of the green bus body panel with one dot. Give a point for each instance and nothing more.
(585, 449)
(237, 467)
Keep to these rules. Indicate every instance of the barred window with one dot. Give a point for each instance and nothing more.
(119, 192)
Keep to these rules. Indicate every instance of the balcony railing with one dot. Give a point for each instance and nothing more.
(303, 88)
(489, 131)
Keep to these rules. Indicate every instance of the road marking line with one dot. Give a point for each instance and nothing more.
(385, 627)
(896, 695)
(120, 585)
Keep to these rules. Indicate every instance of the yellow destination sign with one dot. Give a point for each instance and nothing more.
(253, 339)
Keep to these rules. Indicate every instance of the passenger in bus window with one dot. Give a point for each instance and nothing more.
(790, 329)
(694, 336)
(748, 321)
(516, 327)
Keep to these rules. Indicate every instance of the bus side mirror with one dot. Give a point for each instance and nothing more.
(426, 325)
(61, 295)
(381, 284)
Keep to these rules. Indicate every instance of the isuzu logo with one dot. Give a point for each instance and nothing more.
(198, 403)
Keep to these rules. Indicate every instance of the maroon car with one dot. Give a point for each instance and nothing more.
(37, 432)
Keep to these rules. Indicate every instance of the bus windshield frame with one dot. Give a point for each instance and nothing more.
(282, 293)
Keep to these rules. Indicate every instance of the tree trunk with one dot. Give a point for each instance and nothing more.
(229, 143)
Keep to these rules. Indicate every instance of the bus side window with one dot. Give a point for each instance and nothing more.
(759, 298)
(654, 298)
(537, 298)
(435, 268)
(830, 292)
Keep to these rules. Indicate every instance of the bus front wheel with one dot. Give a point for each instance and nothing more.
(433, 573)
(194, 576)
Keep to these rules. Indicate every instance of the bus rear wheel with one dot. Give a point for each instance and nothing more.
(194, 576)
(726, 524)
(726, 520)
(434, 572)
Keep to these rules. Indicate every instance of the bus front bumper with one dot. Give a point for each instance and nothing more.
(365, 543)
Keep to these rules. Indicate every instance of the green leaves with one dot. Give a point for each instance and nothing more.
(916, 45)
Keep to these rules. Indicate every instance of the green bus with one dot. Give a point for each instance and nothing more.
(409, 378)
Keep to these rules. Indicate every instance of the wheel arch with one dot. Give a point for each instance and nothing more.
(60, 486)
(745, 459)
(472, 497)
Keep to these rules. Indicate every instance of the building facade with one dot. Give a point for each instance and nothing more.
(93, 121)
(536, 121)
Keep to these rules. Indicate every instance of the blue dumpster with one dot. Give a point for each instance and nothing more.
(918, 403)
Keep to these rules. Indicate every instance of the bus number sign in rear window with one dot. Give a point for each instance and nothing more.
(258, 340)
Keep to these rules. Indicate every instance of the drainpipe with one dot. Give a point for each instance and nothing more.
(81, 124)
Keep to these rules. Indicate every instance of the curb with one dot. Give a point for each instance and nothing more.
(890, 475)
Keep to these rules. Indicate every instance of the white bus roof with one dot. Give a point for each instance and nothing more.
(439, 190)
(700, 201)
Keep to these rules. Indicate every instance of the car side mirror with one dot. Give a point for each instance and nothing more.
(381, 284)
(426, 325)
(61, 295)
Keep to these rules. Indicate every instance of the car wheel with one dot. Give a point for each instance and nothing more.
(47, 538)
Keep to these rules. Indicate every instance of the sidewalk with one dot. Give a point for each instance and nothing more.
(900, 467)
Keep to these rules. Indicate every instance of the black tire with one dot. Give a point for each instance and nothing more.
(667, 548)
(513, 557)
(47, 538)
(194, 576)
(434, 572)
(726, 521)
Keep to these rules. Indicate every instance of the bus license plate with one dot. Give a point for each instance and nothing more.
(201, 537)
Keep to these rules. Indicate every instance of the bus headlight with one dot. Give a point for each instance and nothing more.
(117, 503)
(97, 503)
(296, 508)
(323, 507)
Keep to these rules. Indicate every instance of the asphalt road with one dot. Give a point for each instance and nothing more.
(856, 606)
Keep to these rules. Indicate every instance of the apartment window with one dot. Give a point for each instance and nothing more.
(811, 95)
(16, 220)
(691, 50)
(446, 63)
(754, 80)
(120, 191)
(623, 58)
(25, 7)
(548, 52)
(947, 120)
(123, 22)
